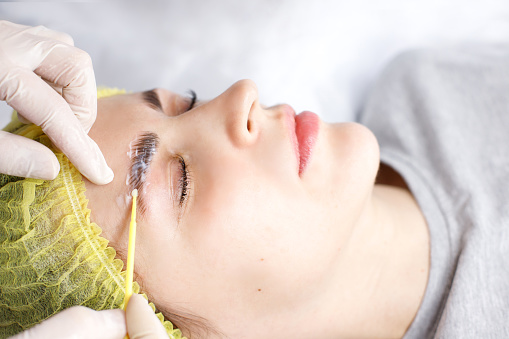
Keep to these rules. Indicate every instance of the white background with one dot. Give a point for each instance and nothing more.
(315, 55)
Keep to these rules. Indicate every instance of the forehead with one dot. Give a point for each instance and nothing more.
(117, 115)
(125, 103)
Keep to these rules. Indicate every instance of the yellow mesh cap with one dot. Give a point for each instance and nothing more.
(51, 256)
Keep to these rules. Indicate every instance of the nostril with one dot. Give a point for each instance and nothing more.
(243, 109)
(250, 112)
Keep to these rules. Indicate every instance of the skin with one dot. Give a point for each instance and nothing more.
(257, 247)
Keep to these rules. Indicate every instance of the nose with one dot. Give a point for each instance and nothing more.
(240, 103)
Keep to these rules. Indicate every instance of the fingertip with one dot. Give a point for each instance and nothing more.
(141, 319)
(44, 166)
(103, 178)
(94, 166)
(137, 300)
(109, 175)
(138, 309)
(56, 168)
(104, 173)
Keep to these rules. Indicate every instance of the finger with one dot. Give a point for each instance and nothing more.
(142, 323)
(56, 88)
(37, 102)
(23, 157)
(79, 322)
(57, 62)
(71, 69)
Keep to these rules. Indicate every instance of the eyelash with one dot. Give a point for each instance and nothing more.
(184, 181)
(193, 98)
(185, 178)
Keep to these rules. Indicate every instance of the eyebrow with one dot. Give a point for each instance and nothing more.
(152, 99)
(142, 151)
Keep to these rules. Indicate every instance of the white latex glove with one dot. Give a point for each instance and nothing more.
(79, 322)
(50, 83)
(142, 322)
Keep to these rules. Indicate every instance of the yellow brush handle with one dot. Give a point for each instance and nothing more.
(130, 252)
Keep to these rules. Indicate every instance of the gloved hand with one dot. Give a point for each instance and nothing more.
(141, 321)
(81, 322)
(63, 101)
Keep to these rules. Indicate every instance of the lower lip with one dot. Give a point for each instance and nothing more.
(307, 125)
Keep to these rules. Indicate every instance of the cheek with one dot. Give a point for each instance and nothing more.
(249, 232)
(252, 233)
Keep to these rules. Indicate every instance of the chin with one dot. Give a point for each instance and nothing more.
(355, 159)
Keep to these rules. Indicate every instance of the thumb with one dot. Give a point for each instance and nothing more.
(142, 323)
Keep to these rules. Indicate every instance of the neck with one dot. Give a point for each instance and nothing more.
(383, 272)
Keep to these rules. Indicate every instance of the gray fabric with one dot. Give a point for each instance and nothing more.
(442, 120)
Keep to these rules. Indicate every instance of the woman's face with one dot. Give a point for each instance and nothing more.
(230, 230)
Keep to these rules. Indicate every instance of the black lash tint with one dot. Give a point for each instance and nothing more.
(184, 181)
(192, 99)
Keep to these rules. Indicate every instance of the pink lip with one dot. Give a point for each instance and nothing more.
(307, 125)
(303, 134)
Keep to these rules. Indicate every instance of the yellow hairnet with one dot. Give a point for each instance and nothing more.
(51, 256)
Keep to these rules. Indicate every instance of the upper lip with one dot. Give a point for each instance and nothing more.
(289, 114)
